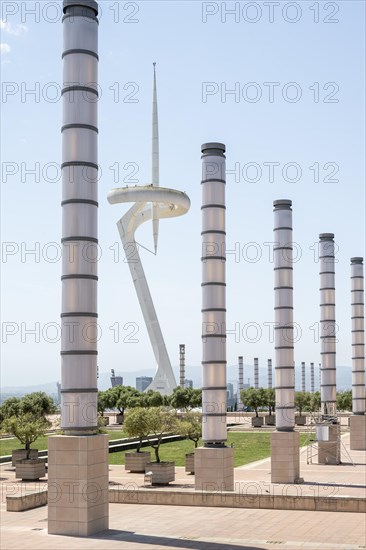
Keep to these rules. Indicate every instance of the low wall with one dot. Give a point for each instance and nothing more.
(141, 495)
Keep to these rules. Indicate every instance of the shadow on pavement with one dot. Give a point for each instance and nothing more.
(161, 542)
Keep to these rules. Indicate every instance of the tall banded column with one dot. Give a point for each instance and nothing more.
(303, 377)
(284, 347)
(79, 217)
(285, 441)
(240, 380)
(256, 372)
(358, 336)
(76, 456)
(269, 363)
(327, 323)
(312, 378)
(182, 363)
(214, 431)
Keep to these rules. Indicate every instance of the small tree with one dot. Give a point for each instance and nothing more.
(191, 427)
(120, 395)
(302, 401)
(153, 399)
(137, 424)
(270, 396)
(344, 400)
(38, 403)
(104, 401)
(27, 427)
(10, 407)
(161, 421)
(315, 402)
(186, 398)
(253, 398)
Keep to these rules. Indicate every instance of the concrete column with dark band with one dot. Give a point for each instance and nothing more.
(312, 378)
(256, 372)
(214, 431)
(80, 252)
(358, 336)
(327, 324)
(284, 328)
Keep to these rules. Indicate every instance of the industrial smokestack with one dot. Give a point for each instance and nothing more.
(327, 324)
(358, 336)
(182, 365)
(79, 217)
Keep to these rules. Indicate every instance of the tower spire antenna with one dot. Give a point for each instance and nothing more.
(155, 158)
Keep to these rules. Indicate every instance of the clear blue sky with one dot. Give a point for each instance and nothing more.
(322, 63)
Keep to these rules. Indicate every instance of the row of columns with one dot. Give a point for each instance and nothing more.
(269, 375)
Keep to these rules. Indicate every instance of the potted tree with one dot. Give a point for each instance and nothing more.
(254, 398)
(137, 425)
(161, 421)
(27, 427)
(302, 401)
(191, 428)
(270, 394)
(37, 403)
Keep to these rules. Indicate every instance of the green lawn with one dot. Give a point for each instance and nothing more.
(248, 447)
(7, 445)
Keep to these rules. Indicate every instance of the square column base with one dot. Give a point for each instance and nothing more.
(285, 457)
(357, 423)
(77, 484)
(214, 469)
(329, 452)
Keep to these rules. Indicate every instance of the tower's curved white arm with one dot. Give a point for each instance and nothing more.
(168, 203)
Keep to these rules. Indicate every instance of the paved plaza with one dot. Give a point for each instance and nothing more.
(144, 526)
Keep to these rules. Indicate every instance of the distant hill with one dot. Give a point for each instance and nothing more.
(344, 379)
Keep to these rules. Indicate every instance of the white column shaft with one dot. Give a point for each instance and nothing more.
(214, 431)
(303, 379)
(80, 252)
(327, 323)
(284, 340)
(358, 336)
(182, 374)
(241, 379)
(256, 373)
(269, 381)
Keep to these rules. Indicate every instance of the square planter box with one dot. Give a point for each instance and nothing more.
(270, 420)
(31, 469)
(21, 454)
(136, 462)
(119, 418)
(189, 466)
(162, 472)
(300, 420)
(257, 421)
